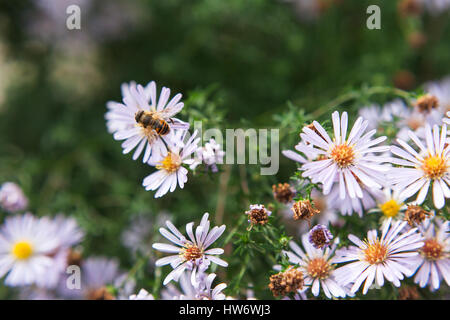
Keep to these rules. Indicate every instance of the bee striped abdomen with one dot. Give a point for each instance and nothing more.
(163, 128)
(149, 120)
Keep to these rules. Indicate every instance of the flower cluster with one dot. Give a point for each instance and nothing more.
(355, 173)
(147, 126)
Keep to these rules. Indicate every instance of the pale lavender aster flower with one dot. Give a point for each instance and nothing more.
(436, 7)
(320, 236)
(317, 266)
(346, 159)
(190, 254)
(390, 256)
(428, 167)
(12, 198)
(210, 155)
(347, 206)
(96, 274)
(202, 290)
(434, 258)
(68, 234)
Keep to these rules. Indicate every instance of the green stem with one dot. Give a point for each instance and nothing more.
(353, 95)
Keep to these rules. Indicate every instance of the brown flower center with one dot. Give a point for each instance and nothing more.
(376, 252)
(434, 167)
(100, 294)
(318, 268)
(191, 252)
(258, 216)
(343, 155)
(170, 163)
(432, 249)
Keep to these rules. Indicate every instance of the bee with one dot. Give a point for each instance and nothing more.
(155, 121)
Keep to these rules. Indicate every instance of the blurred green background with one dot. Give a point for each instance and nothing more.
(238, 63)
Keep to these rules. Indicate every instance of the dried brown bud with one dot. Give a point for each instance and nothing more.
(286, 282)
(303, 210)
(408, 293)
(410, 7)
(313, 128)
(100, 294)
(74, 257)
(417, 40)
(404, 80)
(283, 192)
(258, 214)
(415, 214)
(427, 103)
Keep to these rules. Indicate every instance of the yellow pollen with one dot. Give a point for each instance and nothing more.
(191, 252)
(318, 268)
(22, 250)
(432, 250)
(343, 155)
(390, 208)
(170, 163)
(375, 252)
(434, 167)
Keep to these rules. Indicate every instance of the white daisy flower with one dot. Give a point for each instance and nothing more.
(431, 165)
(391, 257)
(391, 205)
(193, 253)
(170, 171)
(347, 160)
(317, 267)
(125, 120)
(142, 295)
(68, 234)
(26, 243)
(12, 198)
(434, 258)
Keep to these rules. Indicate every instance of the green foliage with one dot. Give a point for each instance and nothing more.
(238, 63)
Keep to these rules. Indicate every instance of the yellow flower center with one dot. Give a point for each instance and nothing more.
(375, 253)
(390, 208)
(191, 252)
(170, 163)
(22, 250)
(343, 155)
(432, 249)
(434, 167)
(318, 268)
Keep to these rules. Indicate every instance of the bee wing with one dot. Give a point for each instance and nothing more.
(172, 108)
(178, 124)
